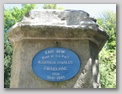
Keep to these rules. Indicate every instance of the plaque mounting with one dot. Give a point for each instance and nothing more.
(56, 64)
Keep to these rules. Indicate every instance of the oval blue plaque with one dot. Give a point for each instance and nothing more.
(56, 64)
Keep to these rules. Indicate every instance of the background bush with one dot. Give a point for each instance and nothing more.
(107, 56)
(11, 16)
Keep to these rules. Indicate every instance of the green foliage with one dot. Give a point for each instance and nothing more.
(7, 61)
(60, 8)
(52, 6)
(11, 16)
(49, 6)
(107, 56)
(108, 22)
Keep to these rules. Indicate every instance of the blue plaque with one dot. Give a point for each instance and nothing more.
(56, 64)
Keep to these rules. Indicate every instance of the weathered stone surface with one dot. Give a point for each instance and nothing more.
(40, 29)
(49, 22)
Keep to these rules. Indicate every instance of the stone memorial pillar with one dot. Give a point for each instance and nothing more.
(56, 49)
